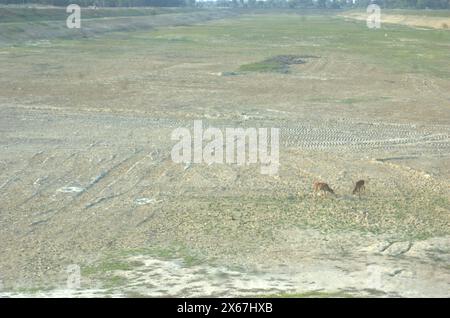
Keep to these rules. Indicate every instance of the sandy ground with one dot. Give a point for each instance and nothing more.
(409, 20)
(377, 268)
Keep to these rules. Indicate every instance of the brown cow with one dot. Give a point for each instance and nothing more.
(359, 187)
(322, 187)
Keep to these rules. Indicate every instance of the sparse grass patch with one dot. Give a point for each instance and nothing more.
(109, 266)
(107, 271)
(264, 66)
(135, 294)
(310, 294)
(169, 252)
(114, 281)
(278, 64)
(403, 217)
(31, 290)
(104, 272)
(51, 14)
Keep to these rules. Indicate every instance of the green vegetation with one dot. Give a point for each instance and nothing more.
(169, 252)
(105, 270)
(107, 3)
(114, 281)
(264, 66)
(30, 290)
(11, 14)
(269, 4)
(109, 266)
(117, 261)
(391, 47)
(279, 63)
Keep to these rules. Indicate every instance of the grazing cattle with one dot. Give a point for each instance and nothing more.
(322, 187)
(359, 187)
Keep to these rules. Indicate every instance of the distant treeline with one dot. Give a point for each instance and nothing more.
(329, 4)
(337, 4)
(102, 3)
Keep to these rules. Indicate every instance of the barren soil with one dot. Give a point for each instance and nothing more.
(86, 176)
(417, 19)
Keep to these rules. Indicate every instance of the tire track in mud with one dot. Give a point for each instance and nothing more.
(319, 135)
(97, 194)
(20, 172)
(51, 180)
(361, 137)
(337, 136)
(89, 196)
(46, 183)
(104, 181)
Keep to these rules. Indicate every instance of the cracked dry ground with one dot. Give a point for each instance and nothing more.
(88, 188)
